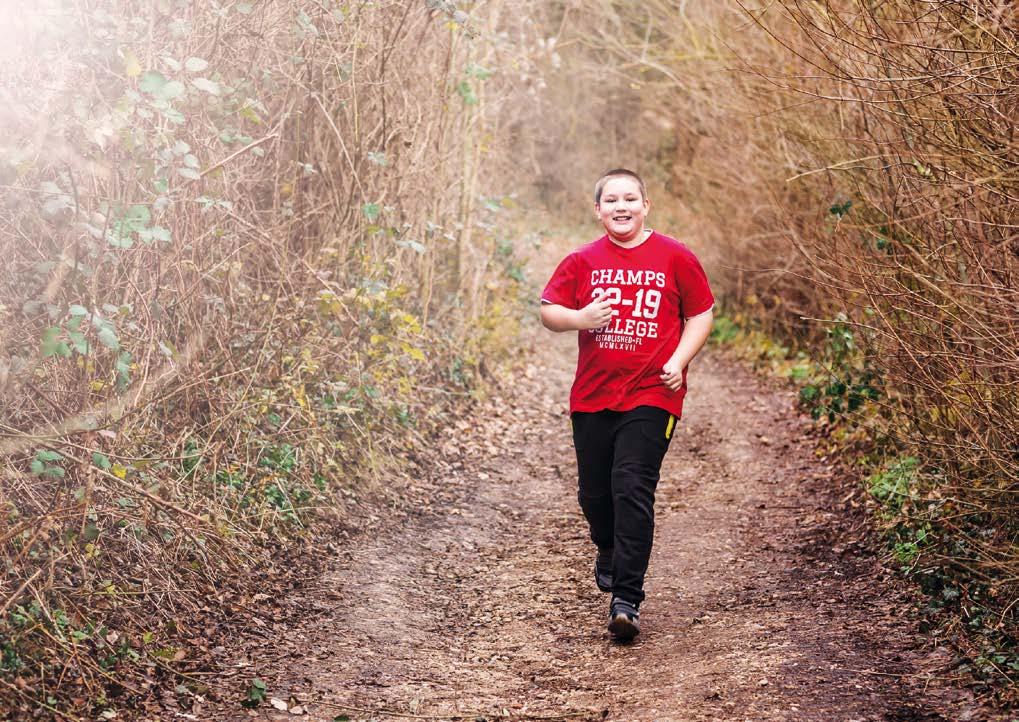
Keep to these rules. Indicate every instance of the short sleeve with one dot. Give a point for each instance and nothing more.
(694, 292)
(561, 289)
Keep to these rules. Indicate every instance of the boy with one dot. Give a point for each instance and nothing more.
(642, 306)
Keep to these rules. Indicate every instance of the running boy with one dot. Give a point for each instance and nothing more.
(642, 306)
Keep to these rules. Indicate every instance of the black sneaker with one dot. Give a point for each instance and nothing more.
(624, 619)
(603, 570)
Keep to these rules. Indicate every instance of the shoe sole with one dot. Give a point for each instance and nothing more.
(621, 627)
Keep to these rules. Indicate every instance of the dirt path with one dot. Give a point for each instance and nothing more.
(757, 607)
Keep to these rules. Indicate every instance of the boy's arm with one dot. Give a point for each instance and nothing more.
(695, 333)
(559, 318)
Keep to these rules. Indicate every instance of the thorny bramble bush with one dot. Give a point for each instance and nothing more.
(251, 251)
(846, 167)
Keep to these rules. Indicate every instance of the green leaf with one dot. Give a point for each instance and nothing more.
(101, 460)
(467, 93)
(135, 218)
(371, 211)
(156, 233)
(189, 173)
(248, 112)
(256, 693)
(191, 161)
(172, 90)
(79, 342)
(243, 8)
(47, 455)
(476, 71)
(37, 467)
(123, 368)
(196, 65)
(173, 115)
(108, 336)
(152, 82)
(90, 532)
(50, 341)
(413, 245)
(180, 148)
(209, 86)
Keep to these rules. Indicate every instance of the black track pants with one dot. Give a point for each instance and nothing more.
(619, 457)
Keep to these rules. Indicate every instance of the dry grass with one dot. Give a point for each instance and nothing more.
(850, 169)
(252, 253)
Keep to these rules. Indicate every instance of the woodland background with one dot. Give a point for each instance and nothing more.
(257, 253)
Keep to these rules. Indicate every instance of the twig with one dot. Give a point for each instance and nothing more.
(462, 715)
(38, 702)
(233, 155)
(24, 585)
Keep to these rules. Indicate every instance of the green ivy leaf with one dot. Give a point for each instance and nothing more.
(101, 460)
(371, 211)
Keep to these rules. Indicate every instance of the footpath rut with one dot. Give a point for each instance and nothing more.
(759, 606)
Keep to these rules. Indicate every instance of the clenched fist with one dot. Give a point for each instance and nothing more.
(597, 313)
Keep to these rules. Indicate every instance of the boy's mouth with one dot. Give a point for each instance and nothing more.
(622, 219)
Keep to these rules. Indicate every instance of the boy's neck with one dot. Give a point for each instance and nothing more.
(642, 235)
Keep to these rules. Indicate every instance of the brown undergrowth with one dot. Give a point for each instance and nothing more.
(256, 253)
(851, 169)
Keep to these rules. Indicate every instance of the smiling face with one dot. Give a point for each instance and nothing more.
(622, 208)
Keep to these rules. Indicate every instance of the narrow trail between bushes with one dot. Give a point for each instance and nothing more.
(763, 603)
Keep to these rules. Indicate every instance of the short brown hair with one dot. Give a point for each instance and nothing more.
(616, 173)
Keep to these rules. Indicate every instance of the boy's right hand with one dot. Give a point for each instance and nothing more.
(597, 313)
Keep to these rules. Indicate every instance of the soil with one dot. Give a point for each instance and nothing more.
(765, 601)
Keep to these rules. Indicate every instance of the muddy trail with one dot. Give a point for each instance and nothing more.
(764, 601)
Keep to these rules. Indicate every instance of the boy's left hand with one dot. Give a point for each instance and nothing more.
(672, 375)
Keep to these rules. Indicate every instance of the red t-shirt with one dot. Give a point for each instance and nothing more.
(654, 286)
